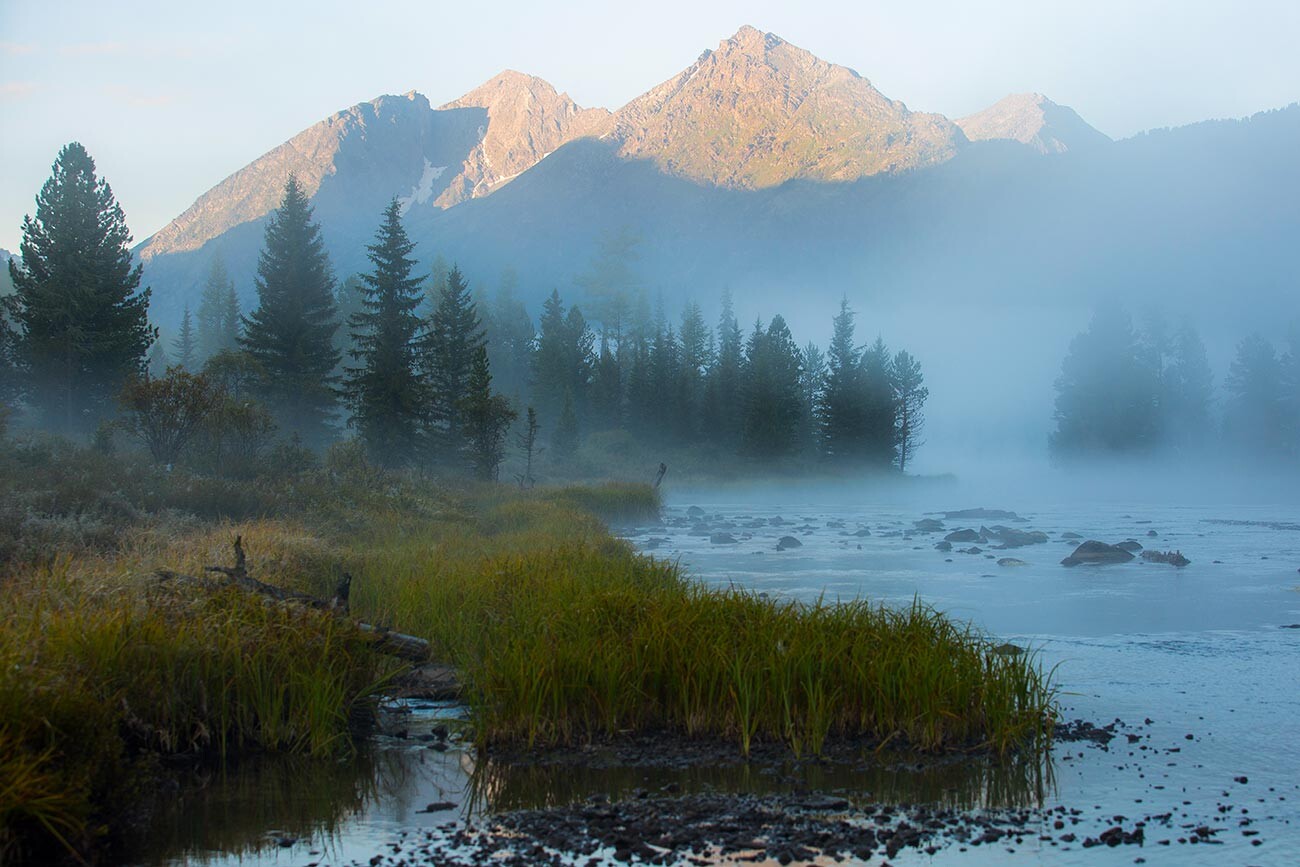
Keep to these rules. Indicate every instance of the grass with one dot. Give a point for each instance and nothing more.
(563, 633)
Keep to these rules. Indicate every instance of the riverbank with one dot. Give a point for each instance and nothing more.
(562, 634)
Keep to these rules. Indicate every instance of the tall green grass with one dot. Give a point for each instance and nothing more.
(564, 635)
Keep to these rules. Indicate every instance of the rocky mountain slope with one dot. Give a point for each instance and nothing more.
(759, 112)
(1034, 120)
(526, 120)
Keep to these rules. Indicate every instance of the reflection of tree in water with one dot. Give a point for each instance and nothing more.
(238, 810)
(961, 783)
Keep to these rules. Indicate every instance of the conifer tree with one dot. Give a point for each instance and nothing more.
(1107, 394)
(606, 390)
(389, 401)
(880, 440)
(218, 319)
(451, 342)
(82, 321)
(910, 395)
(185, 346)
(724, 380)
(610, 282)
(510, 339)
(349, 299)
(1255, 418)
(843, 405)
(291, 332)
(564, 442)
(1187, 389)
(812, 385)
(665, 408)
(550, 363)
(771, 398)
(487, 418)
(696, 359)
(527, 441)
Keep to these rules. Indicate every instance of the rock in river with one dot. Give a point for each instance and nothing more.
(788, 542)
(967, 535)
(1130, 546)
(722, 539)
(1094, 552)
(1011, 561)
(928, 525)
(695, 512)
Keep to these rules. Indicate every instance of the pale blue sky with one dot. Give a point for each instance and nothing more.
(172, 97)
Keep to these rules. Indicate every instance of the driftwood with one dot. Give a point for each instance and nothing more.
(385, 640)
(663, 471)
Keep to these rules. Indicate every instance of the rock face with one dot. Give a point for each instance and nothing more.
(526, 120)
(759, 111)
(1034, 120)
(362, 156)
(1094, 552)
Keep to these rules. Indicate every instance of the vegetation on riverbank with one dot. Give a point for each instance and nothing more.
(563, 633)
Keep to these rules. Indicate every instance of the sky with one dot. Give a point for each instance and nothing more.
(170, 98)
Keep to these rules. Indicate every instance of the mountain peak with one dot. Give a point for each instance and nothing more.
(759, 112)
(1034, 120)
(527, 118)
(751, 40)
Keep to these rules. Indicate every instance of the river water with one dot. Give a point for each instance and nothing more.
(1195, 667)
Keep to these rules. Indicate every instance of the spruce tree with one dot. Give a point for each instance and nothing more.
(487, 418)
(724, 380)
(771, 399)
(1255, 418)
(1107, 395)
(527, 442)
(510, 340)
(910, 395)
(843, 405)
(389, 401)
(218, 325)
(564, 442)
(606, 390)
(452, 340)
(1187, 390)
(880, 431)
(812, 385)
(291, 332)
(696, 359)
(185, 346)
(551, 376)
(82, 321)
(665, 410)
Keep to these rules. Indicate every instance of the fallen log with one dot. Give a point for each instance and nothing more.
(385, 641)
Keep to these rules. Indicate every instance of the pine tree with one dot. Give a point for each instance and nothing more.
(665, 407)
(487, 419)
(606, 390)
(564, 442)
(880, 432)
(389, 401)
(610, 282)
(185, 345)
(843, 403)
(218, 325)
(291, 332)
(724, 380)
(1107, 398)
(1187, 389)
(812, 385)
(452, 340)
(82, 322)
(527, 441)
(910, 395)
(771, 400)
(696, 359)
(510, 340)
(1255, 419)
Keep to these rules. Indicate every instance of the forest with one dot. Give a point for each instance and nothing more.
(423, 370)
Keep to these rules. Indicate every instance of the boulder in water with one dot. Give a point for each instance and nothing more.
(1011, 561)
(982, 515)
(1009, 537)
(722, 539)
(788, 542)
(1098, 553)
(1173, 558)
(1071, 536)
(1131, 546)
(966, 535)
(861, 533)
(1008, 650)
(695, 512)
(943, 546)
(928, 525)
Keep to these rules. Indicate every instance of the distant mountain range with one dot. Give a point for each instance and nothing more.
(769, 170)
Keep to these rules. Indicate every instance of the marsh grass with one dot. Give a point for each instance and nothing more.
(563, 633)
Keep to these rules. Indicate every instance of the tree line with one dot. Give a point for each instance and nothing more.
(422, 369)
(1125, 389)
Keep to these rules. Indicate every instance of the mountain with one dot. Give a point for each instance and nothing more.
(353, 161)
(526, 120)
(759, 112)
(1033, 119)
